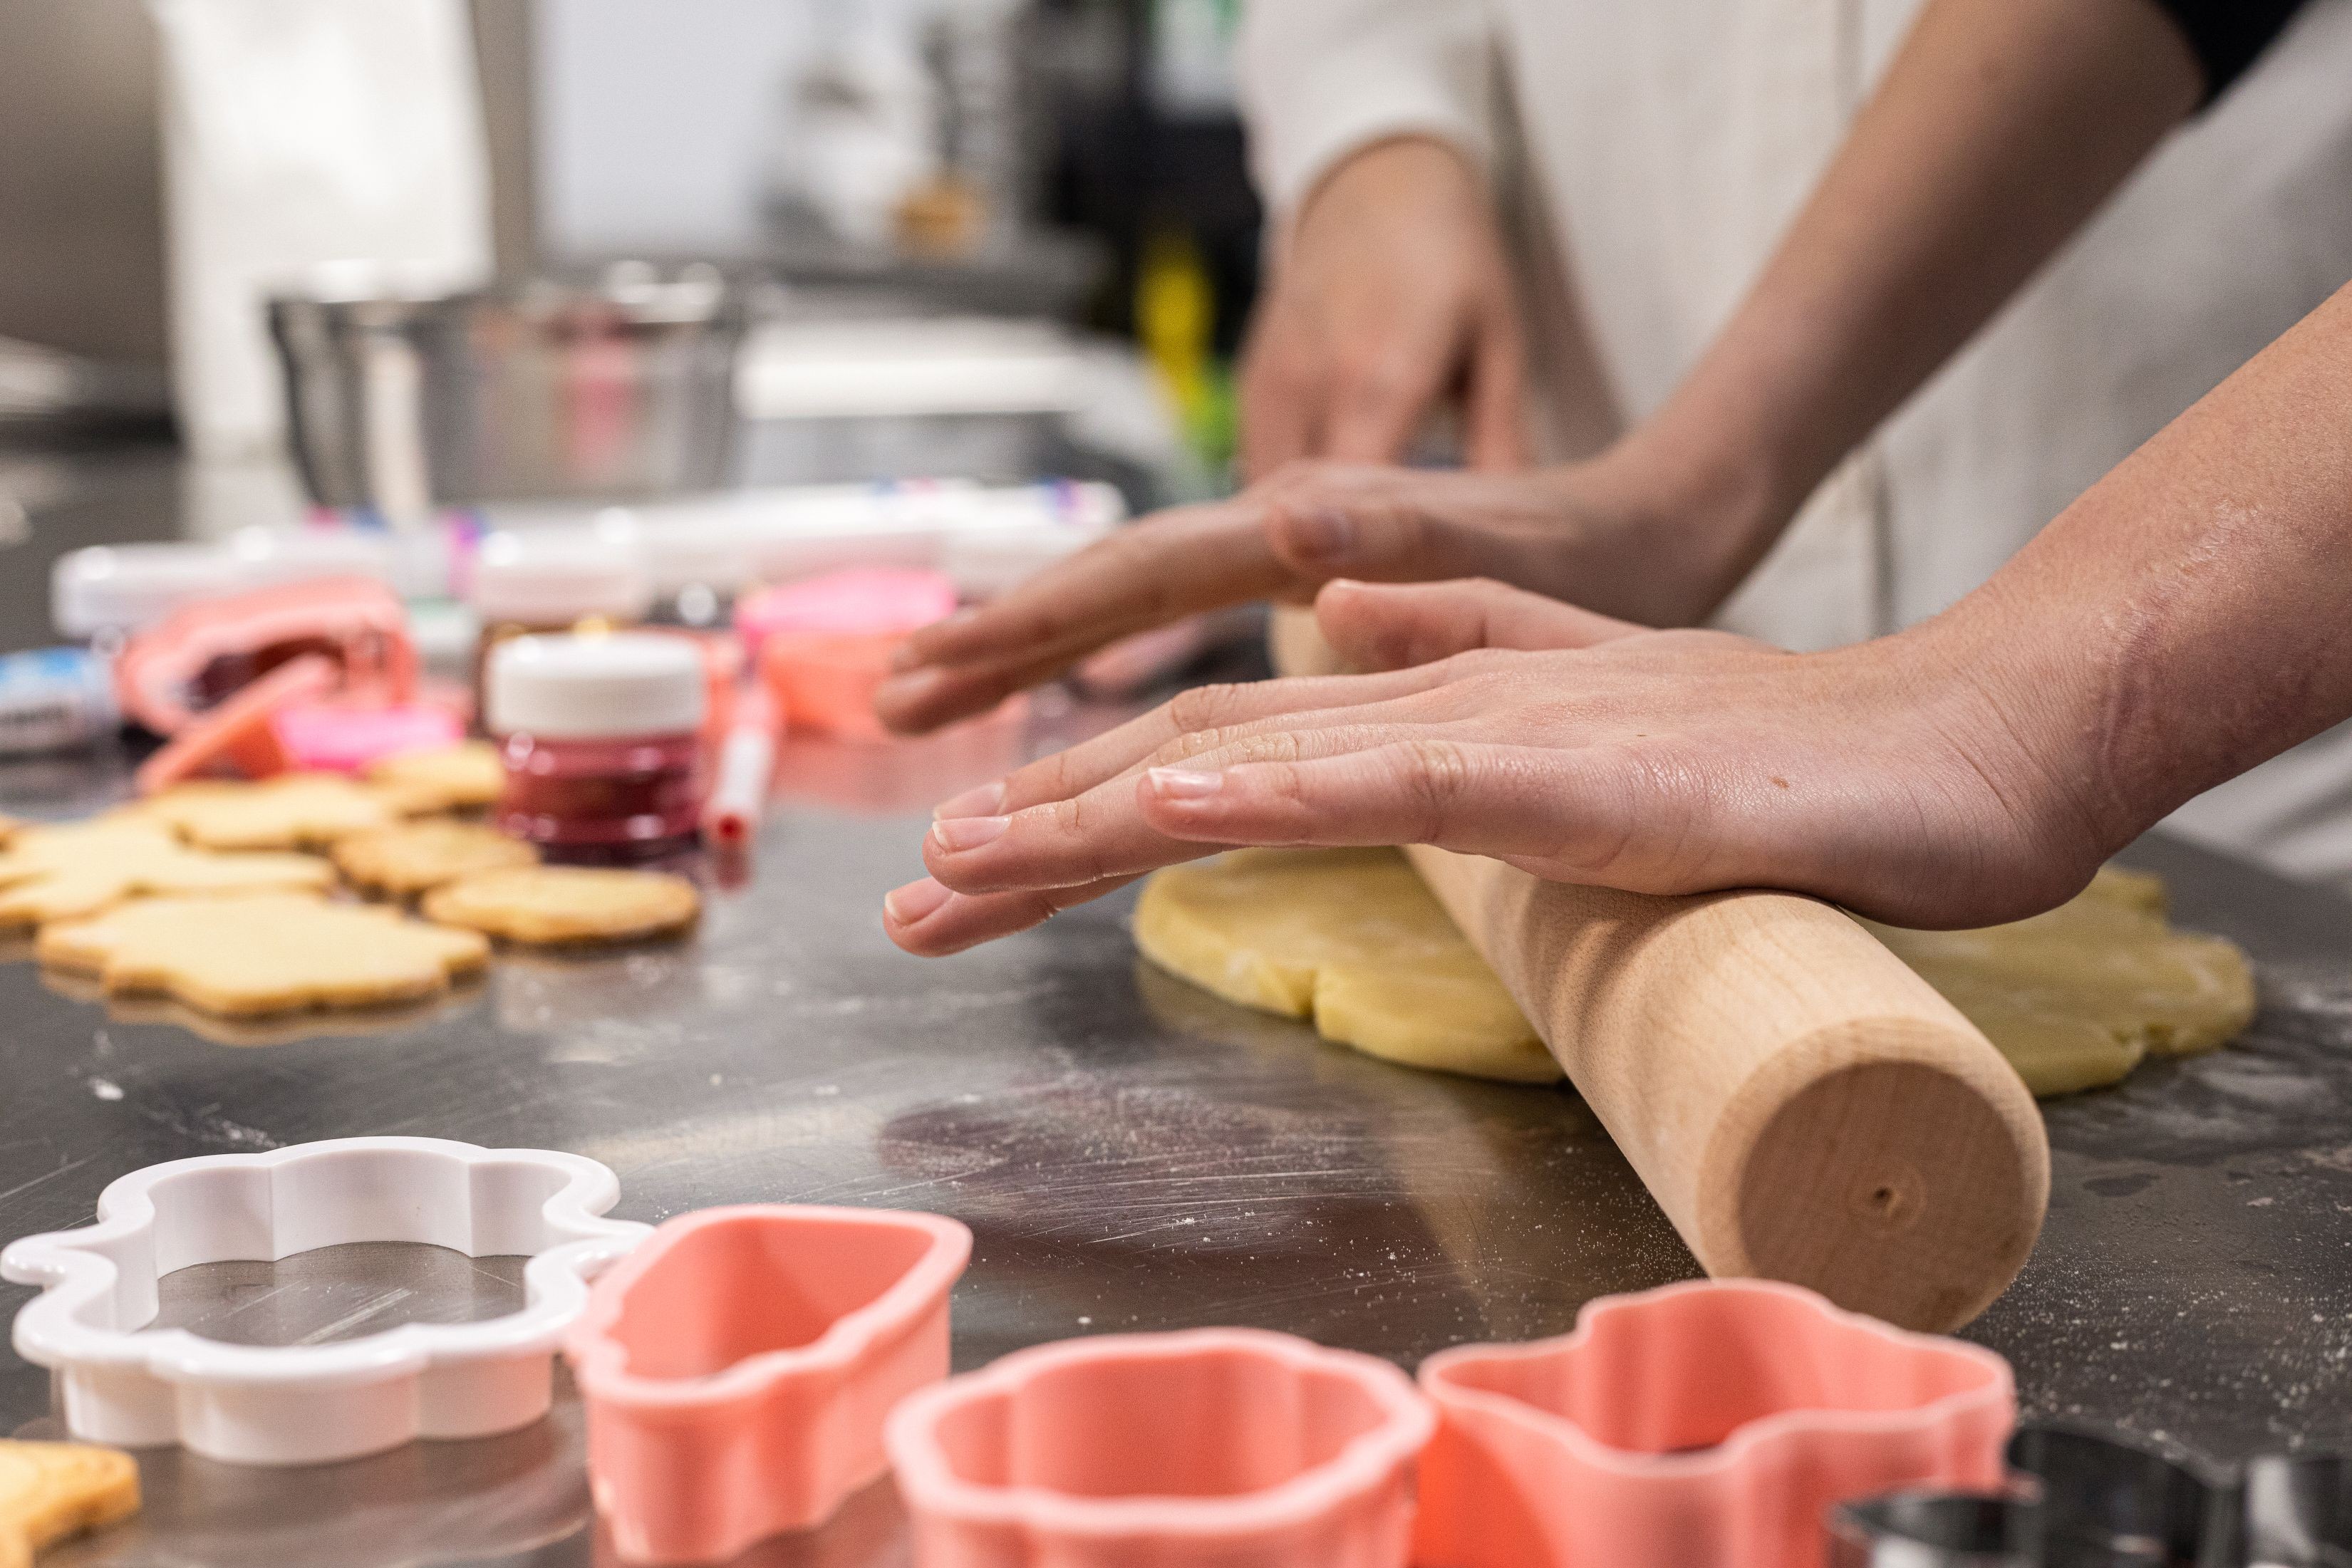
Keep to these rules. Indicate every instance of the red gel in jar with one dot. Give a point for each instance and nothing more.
(601, 738)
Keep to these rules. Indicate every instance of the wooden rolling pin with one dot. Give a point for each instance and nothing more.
(1802, 1106)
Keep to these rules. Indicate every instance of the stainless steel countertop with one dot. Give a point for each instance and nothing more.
(1131, 1154)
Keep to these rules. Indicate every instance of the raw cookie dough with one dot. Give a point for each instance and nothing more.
(77, 869)
(1350, 938)
(2076, 998)
(293, 811)
(467, 777)
(51, 1490)
(410, 858)
(264, 952)
(547, 905)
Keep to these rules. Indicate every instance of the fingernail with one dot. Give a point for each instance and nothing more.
(1322, 532)
(985, 800)
(914, 902)
(1180, 784)
(957, 834)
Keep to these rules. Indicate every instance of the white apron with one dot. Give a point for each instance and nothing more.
(1649, 153)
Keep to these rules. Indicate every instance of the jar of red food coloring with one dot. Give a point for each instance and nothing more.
(600, 735)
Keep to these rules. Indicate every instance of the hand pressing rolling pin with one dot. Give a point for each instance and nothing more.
(2179, 624)
(2000, 127)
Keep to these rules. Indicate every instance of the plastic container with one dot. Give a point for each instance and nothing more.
(310, 1404)
(1207, 1448)
(600, 737)
(537, 581)
(55, 699)
(1711, 1422)
(107, 591)
(736, 1372)
(861, 600)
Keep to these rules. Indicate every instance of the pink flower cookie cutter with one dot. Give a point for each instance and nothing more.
(1231, 1447)
(311, 1404)
(1712, 1422)
(737, 1368)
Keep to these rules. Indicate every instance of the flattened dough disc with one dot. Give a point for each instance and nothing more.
(1350, 938)
(2074, 998)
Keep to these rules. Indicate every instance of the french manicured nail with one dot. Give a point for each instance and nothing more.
(957, 834)
(984, 801)
(1322, 532)
(1181, 784)
(916, 900)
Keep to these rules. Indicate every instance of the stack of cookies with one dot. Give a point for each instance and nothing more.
(227, 897)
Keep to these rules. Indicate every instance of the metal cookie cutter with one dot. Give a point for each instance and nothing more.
(297, 1405)
(2086, 1500)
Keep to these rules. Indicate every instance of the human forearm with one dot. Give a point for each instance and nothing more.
(2186, 617)
(1999, 128)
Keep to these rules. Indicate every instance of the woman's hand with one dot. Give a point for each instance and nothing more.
(1897, 777)
(1391, 292)
(1615, 533)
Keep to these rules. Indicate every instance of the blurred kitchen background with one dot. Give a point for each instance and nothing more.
(994, 240)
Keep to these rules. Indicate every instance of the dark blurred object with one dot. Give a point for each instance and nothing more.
(1125, 160)
(81, 221)
(2093, 1500)
(621, 387)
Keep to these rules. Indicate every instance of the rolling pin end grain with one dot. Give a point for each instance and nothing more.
(1897, 1188)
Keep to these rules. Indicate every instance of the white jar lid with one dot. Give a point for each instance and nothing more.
(594, 686)
(268, 556)
(555, 576)
(127, 588)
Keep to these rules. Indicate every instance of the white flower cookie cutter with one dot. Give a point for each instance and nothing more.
(300, 1405)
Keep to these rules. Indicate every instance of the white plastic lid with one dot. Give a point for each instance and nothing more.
(267, 556)
(552, 577)
(594, 686)
(126, 588)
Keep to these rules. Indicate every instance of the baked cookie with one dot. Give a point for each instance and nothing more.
(51, 1490)
(293, 811)
(75, 869)
(548, 905)
(467, 777)
(410, 858)
(263, 953)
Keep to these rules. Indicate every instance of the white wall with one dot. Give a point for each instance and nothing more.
(655, 117)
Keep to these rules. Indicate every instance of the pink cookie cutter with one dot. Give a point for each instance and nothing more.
(1231, 1447)
(737, 1369)
(240, 734)
(1713, 1422)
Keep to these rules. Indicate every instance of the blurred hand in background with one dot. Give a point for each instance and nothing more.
(1391, 295)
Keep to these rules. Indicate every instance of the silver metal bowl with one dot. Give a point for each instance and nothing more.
(401, 402)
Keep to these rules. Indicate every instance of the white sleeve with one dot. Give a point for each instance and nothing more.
(1321, 79)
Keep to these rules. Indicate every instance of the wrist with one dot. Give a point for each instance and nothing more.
(1715, 514)
(2019, 702)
